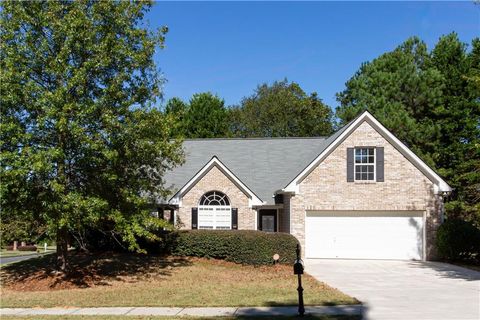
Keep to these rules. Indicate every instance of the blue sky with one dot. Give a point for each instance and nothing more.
(230, 47)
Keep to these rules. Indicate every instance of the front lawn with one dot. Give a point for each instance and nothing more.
(146, 280)
(10, 253)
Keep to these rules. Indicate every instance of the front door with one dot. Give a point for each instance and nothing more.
(267, 220)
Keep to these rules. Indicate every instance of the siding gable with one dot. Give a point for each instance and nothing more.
(215, 163)
(215, 179)
(405, 186)
(334, 141)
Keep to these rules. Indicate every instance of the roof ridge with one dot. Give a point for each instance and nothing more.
(258, 138)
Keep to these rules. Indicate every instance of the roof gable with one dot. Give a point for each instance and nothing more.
(342, 134)
(262, 164)
(215, 162)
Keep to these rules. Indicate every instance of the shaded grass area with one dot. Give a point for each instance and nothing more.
(78, 317)
(10, 253)
(145, 280)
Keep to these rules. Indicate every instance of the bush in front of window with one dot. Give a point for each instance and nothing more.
(242, 246)
(458, 240)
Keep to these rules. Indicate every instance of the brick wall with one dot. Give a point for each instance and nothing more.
(284, 215)
(405, 187)
(216, 180)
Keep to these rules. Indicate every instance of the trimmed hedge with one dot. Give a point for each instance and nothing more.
(27, 248)
(22, 248)
(239, 246)
(458, 240)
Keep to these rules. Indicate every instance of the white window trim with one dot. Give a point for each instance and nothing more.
(215, 194)
(355, 164)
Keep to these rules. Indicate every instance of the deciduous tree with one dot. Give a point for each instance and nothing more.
(82, 144)
(282, 109)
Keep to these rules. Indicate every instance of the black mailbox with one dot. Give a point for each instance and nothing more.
(298, 267)
(298, 270)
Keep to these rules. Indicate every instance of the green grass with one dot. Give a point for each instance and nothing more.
(142, 280)
(79, 317)
(10, 253)
(5, 253)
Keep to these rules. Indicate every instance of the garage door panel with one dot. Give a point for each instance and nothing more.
(364, 235)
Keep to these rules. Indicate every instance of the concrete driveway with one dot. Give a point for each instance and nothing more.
(404, 289)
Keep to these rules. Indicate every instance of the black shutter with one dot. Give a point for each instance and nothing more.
(234, 219)
(350, 165)
(380, 166)
(160, 213)
(172, 216)
(194, 218)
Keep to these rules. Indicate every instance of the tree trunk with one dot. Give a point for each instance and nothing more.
(62, 249)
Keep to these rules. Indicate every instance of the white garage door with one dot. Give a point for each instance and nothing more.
(364, 235)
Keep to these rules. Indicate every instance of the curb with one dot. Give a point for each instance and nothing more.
(195, 312)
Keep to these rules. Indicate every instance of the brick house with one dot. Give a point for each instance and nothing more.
(360, 193)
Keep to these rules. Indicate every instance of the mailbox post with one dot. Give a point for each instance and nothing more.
(298, 270)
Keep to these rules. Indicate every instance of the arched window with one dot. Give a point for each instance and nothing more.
(214, 211)
(214, 198)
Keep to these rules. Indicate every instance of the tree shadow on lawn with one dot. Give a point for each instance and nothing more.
(87, 270)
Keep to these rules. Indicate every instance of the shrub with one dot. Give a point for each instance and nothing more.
(22, 248)
(27, 248)
(458, 240)
(241, 246)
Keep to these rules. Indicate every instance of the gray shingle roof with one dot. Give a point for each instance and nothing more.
(264, 165)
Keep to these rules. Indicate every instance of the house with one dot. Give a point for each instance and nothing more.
(360, 193)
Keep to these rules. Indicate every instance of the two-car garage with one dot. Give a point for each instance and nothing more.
(365, 234)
